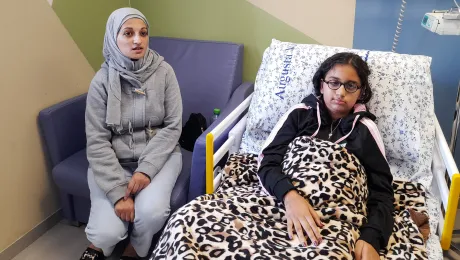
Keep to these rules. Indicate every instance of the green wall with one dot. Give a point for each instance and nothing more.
(220, 20)
(85, 21)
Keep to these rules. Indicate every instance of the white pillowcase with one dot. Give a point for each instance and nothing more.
(402, 102)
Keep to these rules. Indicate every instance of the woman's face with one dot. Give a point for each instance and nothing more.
(133, 39)
(340, 102)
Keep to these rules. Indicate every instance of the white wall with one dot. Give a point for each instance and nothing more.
(40, 65)
(331, 22)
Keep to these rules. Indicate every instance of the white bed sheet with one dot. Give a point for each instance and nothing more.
(433, 244)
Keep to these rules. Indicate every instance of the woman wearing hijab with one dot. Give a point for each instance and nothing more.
(133, 124)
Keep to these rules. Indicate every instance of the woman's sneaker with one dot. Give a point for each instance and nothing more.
(91, 254)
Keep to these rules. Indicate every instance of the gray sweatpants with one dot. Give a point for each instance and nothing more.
(151, 208)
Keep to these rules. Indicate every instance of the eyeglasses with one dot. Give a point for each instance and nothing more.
(350, 87)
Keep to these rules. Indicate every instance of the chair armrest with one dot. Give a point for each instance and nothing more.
(198, 176)
(62, 127)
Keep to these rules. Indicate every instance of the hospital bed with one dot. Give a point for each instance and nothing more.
(445, 186)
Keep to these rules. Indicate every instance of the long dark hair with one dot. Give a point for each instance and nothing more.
(344, 58)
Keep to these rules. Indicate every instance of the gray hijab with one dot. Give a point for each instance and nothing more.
(118, 65)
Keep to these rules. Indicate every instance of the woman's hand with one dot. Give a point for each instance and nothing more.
(125, 209)
(137, 183)
(365, 251)
(300, 214)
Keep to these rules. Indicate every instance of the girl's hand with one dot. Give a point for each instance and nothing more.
(302, 216)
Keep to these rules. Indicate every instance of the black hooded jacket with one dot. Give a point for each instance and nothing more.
(359, 136)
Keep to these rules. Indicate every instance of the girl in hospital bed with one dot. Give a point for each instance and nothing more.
(323, 188)
(336, 114)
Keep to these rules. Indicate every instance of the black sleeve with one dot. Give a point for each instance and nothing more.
(270, 171)
(379, 227)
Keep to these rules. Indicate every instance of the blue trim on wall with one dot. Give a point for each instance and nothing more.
(375, 24)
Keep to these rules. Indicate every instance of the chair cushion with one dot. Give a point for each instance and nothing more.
(71, 174)
(180, 191)
(71, 177)
(402, 101)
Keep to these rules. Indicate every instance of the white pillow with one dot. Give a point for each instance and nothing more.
(402, 102)
(404, 107)
(283, 80)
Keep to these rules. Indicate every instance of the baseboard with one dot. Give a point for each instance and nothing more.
(27, 239)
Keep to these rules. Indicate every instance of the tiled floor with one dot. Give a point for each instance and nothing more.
(60, 242)
(451, 255)
(64, 242)
(454, 252)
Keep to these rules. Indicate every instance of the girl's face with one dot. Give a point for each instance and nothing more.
(340, 102)
(133, 39)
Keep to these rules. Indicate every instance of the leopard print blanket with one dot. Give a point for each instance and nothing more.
(241, 221)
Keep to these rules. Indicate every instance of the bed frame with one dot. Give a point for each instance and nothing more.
(447, 188)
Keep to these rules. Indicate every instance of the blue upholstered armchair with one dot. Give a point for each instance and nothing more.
(209, 75)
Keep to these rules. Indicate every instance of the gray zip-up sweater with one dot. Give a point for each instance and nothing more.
(152, 123)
